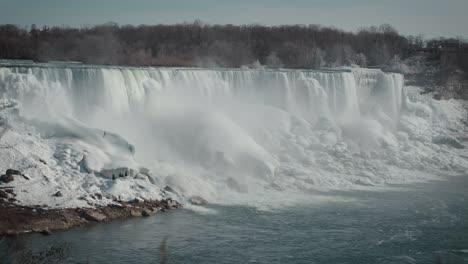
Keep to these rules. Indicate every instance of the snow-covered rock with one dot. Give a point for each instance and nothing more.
(65, 156)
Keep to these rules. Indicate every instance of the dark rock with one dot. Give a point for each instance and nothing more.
(41, 211)
(58, 194)
(7, 178)
(12, 200)
(38, 219)
(197, 200)
(42, 161)
(136, 201)
(9, 191)
(146, 213)
(13, 172)
(169, 204)
(151, 180)
(448, 140)
(169, 189)
(93, 216)
(172, 204)
(115, 206)
(3, 194)
(46, 232)
(98, 196)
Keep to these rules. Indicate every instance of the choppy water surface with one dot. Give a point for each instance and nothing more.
(423, 223)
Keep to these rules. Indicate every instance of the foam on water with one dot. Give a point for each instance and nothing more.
(230, 134)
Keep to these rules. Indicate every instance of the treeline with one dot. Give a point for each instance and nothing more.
(196, 44)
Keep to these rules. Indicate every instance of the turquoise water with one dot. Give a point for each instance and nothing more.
(421, 223)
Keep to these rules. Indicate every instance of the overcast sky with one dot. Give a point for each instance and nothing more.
(432, 18)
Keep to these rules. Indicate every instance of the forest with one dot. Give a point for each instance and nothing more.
(202, 45)
(197, 44)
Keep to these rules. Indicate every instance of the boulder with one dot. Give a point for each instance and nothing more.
(173, 204)
(137, 201)
(3, 194)
(10, 191)
(115, 206)
(7, 178)
(169, 204)
(147, 213)
(13, 172)
(135, 212)
(46, 232)
(98, 196)
(93, 216)
(58, 194)
(151, 179)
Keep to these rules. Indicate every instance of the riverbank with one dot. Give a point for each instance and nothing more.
(16, 219)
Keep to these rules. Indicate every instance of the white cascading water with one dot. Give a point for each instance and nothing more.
(218, 132)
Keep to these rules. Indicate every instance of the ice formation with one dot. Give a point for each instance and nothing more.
(220, 134)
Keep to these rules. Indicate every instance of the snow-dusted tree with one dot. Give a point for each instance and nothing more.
(273, 60)
(380, 54)
(397, 64)
(341, 54)
(256, 65)
(360, 60)
(349, 55)
(318, 58)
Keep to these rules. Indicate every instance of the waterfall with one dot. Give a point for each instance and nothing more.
(211, 131)
(81, 90)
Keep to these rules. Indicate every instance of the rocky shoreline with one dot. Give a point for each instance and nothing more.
(16, 219)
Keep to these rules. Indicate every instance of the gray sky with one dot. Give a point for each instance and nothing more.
(432, 18)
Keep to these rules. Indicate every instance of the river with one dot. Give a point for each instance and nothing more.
(417, 223)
